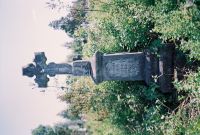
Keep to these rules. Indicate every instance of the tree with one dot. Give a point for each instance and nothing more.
(58, 129)
(43, 130)
(73, 20)
(62, 129)
(135, 25)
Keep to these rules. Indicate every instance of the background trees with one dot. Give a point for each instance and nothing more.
(120, 107)
(71, 21)
(43, 130)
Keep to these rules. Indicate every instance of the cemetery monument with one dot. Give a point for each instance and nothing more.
(137, 66)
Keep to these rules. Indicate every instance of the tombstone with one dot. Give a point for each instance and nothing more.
(138, 66)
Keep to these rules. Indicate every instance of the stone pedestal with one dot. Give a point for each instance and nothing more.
(166, 68)
(119, 66)
(139, 66)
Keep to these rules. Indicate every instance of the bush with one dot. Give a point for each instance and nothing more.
(132, 107)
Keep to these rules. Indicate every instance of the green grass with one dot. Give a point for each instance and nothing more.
(101, 127)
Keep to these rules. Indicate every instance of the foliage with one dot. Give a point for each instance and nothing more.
(73, 20)
(191, 84)
(119, 107)
(79, 96)
(186, 117)
(121, 28)
(181, 25)
(124, 104)
(43, 130)
(59, 129)
(104, 127)
(62, 129)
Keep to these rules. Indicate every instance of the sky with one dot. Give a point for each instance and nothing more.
(24, 30)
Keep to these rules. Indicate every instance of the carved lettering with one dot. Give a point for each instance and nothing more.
(122, 68)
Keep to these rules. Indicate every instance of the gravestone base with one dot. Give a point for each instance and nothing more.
(166, 68)
(139, 66)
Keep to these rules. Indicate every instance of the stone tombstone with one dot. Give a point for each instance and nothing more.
(119, 66)
(137, 66)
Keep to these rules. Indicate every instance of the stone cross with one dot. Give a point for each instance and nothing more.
(41, 69)
(138, 66)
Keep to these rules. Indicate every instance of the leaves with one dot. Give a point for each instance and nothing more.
(135, 25)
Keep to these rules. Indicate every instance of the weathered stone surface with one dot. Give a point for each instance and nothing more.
(166, 68)
(41, 69)
(138, 66)
(52, 69)
(81, 68)
(120, 66)
(96, 64)
(123, 66)
(151, 69)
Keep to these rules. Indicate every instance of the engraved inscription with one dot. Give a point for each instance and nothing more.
(125, 68)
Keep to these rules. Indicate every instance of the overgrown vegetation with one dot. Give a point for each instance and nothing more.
(59, 129)
(118, 107)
